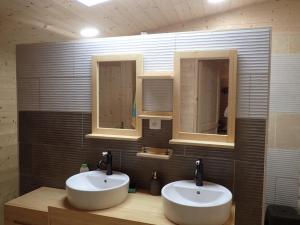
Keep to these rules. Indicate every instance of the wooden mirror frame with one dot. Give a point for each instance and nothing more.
(201, 139)
(115, 133)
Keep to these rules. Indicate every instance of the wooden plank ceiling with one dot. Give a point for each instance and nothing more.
(112, 18)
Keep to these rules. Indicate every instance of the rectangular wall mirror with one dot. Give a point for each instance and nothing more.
(116, 96)
(205, 98)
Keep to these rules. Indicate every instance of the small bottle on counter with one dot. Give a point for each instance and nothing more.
(84, 168)
(155, 186)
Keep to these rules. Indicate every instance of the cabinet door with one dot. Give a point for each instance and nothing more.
(21, 216)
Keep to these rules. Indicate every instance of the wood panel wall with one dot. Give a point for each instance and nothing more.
(12, 33)
(8, 127)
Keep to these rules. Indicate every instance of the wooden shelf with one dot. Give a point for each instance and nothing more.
(155, 153)
(162, 117)
(156, 115)
(157, 75)
(202, 143)
(113, 137)
(153, 156)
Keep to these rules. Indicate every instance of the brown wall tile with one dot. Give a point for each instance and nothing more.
(157, 138)
(51, 128)
(53, 146)
(249, 178)
(250, 140)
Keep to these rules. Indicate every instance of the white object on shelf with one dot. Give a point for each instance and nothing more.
(155, 124)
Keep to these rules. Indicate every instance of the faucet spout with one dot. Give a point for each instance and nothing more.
(107, 162)
(199, 172)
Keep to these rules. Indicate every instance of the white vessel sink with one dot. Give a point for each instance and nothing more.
(187, 204)
(95, 190)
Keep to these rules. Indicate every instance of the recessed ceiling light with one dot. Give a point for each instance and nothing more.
(90, 3)
(215, 1)
(89, 32)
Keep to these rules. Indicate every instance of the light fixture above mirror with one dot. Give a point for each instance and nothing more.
(91, 3)
(89, 32)
(215, 1)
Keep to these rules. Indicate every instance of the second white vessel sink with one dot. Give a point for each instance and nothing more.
(95, 190)
(187, 204)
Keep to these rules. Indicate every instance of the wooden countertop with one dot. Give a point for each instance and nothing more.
(138, 207)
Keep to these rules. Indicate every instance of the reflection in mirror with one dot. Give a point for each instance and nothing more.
(117, 86)
(204, 95)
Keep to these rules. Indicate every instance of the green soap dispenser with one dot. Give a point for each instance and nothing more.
(84, 168)
(155, 186)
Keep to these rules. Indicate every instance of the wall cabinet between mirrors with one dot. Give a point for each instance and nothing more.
(204, 99)
(116, 96)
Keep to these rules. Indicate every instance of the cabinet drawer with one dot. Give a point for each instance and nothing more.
(15, 222)
(20, 216)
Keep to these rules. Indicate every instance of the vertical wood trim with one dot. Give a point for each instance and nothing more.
(139, 96)
(95, 91)
(232, 95)
(176, 96)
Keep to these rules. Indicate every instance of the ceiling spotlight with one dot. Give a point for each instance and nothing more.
(90, 3)
(215, 1)
(89, 32)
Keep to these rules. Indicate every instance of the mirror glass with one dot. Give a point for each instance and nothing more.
(204, 95)
(117, 93)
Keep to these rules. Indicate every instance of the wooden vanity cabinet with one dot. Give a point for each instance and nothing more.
(49, 206)
(58, 216)
(22, 216)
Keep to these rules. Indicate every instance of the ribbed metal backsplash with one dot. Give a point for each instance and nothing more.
(282, 177)
(158, 95)
(285, 81)
(60, 72)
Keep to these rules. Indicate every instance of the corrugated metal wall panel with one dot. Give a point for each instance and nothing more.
(243, 95)
(65, 94)
(46, 60)
(285, 97)
(85, 50)
(285, 82)
(286, 191)
(158, 52)
(259, 96)
(28, 94)
(60, 60)
(158, 95)
(282, 174)
(253, 46)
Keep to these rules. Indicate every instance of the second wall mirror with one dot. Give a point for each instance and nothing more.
(116, 96)
(205, 98)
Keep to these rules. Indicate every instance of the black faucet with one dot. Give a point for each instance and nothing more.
(107, 162)
(199, 173)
